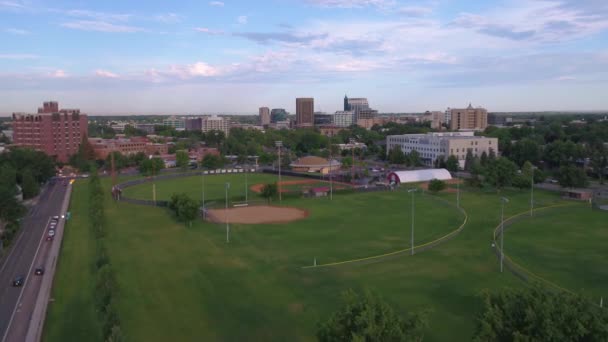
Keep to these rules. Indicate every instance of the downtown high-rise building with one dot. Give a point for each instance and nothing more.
(56, 132)
(264, 113)
(356, 105)
(468, 118)
(305, 109)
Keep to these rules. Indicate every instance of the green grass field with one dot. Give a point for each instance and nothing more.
(187, 284)
(193, 186)
(564, 246)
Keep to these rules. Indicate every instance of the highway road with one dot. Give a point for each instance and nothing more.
(29, 252)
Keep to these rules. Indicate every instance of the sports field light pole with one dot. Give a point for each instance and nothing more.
(279, 144)
(331, 183)
(503, 200)
(226, 215)
(246, 186)
(457, 192)
(412, 191)
(532, 192)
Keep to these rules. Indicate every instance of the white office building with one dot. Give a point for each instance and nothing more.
(343, 118)
(431, 146)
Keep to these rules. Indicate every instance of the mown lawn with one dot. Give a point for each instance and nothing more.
(187, 284)
(71, 314)
(566, 246)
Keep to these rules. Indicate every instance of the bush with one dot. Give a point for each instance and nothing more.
(436, 185)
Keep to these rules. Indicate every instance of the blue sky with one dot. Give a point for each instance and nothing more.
(194, 57)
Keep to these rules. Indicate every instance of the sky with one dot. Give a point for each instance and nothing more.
(200, 57)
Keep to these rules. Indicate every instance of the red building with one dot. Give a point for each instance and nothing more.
(55, 132)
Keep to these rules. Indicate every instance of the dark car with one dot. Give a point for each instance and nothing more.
(49, 238)
(19, 281)
(39, 271)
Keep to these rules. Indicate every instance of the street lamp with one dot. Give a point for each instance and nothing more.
(203, 181)
(412, 191)
(532, 191)
(457, 192)
(279, 144)
(352, 169)
(503, 200)
(246, 184)
(226, 215)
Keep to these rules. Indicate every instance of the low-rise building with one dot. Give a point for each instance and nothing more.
(315, 164)
(216, 123)
(432, 146)
(178, 123)
(103, 147)
(330, 131)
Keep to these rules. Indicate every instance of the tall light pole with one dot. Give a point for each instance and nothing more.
(503, 200)
(457, 192)
(279, 144)
(352, 169)
(532, 192)
(412, 191)
(203, 188)
(246, 186)
(226, 215)
(331, 183)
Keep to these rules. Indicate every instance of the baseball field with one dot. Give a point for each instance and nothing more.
(187, 284)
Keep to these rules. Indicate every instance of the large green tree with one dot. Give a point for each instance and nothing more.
(29, 185)
(538, 314)
(500, 172)
(368, 318)
(396, 156)
(270, 191)
(184, 207)
(451, 164)
(182, 159)
(212, 162)
(570, 176)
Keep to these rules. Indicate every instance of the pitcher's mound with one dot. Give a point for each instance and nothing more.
(257, 214)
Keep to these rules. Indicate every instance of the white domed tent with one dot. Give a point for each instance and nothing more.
(418, 176)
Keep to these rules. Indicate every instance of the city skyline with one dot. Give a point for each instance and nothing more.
(405, 56)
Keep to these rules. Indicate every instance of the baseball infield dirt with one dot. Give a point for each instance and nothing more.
(257, 215)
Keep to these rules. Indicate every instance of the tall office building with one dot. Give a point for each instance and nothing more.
(216, 123)
(343, 118)
(264, 116)
(356, 105)
(305, 109)
(468, 118)
(55, 132)
(193, 124)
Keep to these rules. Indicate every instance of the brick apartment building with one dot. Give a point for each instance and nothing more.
(53, 131)
(103, 147)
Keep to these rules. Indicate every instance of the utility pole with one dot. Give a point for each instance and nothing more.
(203, 181)
(352, 169)
(279, 144)
(331, 183)
(457, 193)
(246, 186)
(503, 200)
(412, 191)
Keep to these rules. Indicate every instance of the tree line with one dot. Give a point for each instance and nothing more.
(106, 287)
(529, 313)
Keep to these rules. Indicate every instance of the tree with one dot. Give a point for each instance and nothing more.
(452, 164)
(468, 162)
(571, 176)
(500, 172)
(184, 207)
(368, 318)
(538, 314)
(483, 160)
(29, 186)
(269, 191)
(212, 162)
(525, 150)
(414, 158)
(396, 156)
(120, 161)
(10, 208)
(436, 185)
(182, 159)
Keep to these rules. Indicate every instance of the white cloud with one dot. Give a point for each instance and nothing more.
(242, 19)
(16, 31)
(352, 3)
(100, 26)
(98, 16)
(216, 3)
(18, 56)
(58, 74)
(208, 31)
(105, 74)
(168, 18)
(12, 5)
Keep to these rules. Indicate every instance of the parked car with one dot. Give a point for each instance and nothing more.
(51, 232)
(55, 218)
(18, 281)
(39, 271)
(49, 238)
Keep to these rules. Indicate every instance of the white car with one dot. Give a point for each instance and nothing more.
(51, 233)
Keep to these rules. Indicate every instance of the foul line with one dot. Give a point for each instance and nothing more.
(516, 265)
(338, 263)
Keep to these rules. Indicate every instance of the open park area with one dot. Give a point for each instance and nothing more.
(185, 283)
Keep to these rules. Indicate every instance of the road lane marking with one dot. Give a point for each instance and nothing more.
(27, 276)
